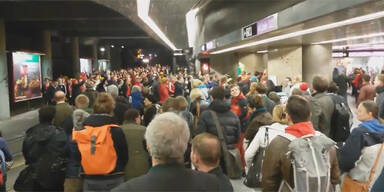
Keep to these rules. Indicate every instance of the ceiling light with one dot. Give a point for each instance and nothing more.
(306, 31)
(356, 45)
(112, 46)
(263, 51)
(102, 49)
(350, 38)
(145, 60)
(177, 54)
(122, 46)
(142, 12)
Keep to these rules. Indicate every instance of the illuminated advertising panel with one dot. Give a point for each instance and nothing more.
(26, 76)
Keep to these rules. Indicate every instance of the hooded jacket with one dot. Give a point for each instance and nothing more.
(360, 151)
(228, 120)
(277, 165)
(44, 152)
(74, 166)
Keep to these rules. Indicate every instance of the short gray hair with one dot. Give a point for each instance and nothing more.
(167, 137)
(113, 90)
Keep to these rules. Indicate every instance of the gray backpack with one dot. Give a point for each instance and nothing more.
(310, 163)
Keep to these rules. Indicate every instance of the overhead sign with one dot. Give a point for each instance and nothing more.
(267, 24)
(260, 27)
(249, 31)
(211, 45)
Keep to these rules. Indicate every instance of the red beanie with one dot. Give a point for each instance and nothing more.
(304, 86)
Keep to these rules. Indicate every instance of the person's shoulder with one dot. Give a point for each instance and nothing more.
(135, 184)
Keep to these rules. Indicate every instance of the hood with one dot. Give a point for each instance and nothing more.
(373, 126)
(300, 129)
(97, 120)
(79, 116)
(220, 106)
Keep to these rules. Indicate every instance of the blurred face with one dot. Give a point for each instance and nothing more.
(235, 91)
(363, 114)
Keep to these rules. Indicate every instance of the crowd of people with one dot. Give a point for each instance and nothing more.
(146, 129)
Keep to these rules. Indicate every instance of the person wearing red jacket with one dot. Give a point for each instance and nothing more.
(163, 90)
(239, 107)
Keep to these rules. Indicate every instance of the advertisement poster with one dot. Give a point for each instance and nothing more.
(85, 66)
(26, 76)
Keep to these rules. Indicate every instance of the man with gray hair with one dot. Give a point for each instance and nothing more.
(167, 138)
(120, 107)
(63, 109)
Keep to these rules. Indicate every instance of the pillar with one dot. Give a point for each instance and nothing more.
(317, 61)
(5, 111)
(95, 64)
(46, 64)
(285, 62)
(75, 56)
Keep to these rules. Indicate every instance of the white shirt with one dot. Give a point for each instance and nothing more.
(273, 130)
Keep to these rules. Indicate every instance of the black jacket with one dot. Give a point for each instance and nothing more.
(351, 151)
(179, 89)
(228, 120)
(342, 82)
(118, 137)
(44, 148)
(172, 177)
(224, 183)
(120, 109)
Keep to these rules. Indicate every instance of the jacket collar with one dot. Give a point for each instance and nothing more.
(300, 129)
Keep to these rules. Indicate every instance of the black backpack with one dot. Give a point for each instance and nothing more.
(341, 119)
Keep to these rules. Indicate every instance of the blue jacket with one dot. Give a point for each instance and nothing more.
(136, 100)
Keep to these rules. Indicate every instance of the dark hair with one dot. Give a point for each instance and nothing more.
(298, 109)
(333, 88)
(372, 107)
(131, 114)
(209, 153)
(320, 84)
(366, 78)
(46, 114)
(255, 101)
(260, 88)
(218, 93)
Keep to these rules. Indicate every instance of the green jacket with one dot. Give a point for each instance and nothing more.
(138, 163)
(63, 110)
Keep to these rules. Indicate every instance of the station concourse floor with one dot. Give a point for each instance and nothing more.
(238, 185)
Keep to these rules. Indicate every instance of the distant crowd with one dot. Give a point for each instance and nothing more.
(146, 129)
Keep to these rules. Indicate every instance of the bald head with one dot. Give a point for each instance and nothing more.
(207, 147)
(59, 96)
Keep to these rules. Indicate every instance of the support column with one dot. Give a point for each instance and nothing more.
(317, 61)
(285, 62)
(95, 64)
(5, 111)
(46, 64)
(75, 56)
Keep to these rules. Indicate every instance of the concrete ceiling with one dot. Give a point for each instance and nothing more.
(85, 19)
(358, 29)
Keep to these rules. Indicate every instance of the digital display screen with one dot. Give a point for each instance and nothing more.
(26, 76)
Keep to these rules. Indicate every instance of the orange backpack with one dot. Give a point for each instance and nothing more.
(98, 155)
